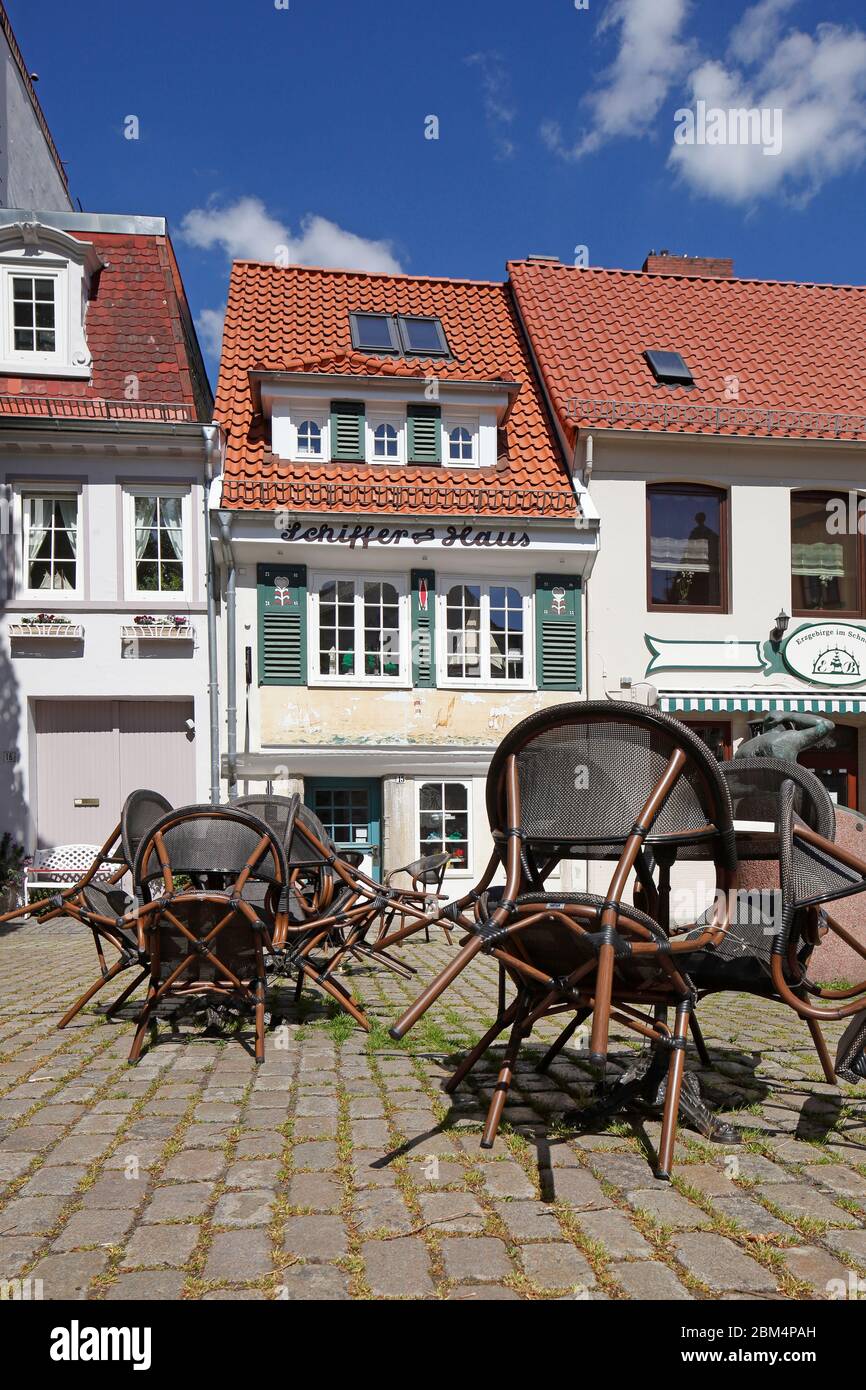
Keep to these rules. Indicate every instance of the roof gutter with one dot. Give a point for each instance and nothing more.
(224, 519)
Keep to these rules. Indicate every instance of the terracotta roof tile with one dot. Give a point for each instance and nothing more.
(296, 319)
(769, 358)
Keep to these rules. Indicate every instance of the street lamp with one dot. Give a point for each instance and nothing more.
(781, 627)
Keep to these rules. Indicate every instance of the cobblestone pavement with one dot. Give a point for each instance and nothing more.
(339, 1170)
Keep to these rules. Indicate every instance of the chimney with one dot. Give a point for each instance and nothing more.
(710, 267)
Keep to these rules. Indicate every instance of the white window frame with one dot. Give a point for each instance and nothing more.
(485, 681)
(468, 870)
(24, 356)
(384, 417)
(300, 412)
(458, 421)
(403, 679)
(167, 598)
(48, 598)
(305, 455)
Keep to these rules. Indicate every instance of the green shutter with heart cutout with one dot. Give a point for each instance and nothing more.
(282, 602)
(558, 632)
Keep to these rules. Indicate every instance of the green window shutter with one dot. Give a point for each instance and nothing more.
(423, 628)
(557, 632)
(425, 434)
(282, 594)
(347, 430)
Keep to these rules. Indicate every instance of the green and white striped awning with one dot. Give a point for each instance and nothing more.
(787, 704)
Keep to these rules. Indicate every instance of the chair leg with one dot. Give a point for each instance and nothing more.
(260, 1020)
(479, 1049)
(601, 1013)
(566, 1034)
(341, 995)
(503, 1082)
(122, 998)
(698, 1040)
(148, 1005)
(88, 994)
(822, 1051)
(672, 1091)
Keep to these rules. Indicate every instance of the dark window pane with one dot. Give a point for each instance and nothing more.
(685, 547)
(422, 335)
(823, 560)
(373, 331)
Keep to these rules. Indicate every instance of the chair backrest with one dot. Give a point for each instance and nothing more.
(300, 851)
(808, 874)
(756, 785)
(210, 843)
(276, 811)
(585, 771)
(140, 809)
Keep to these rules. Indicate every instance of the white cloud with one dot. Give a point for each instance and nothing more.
(246, 230)
(496, 90)
(758, 29)
(817, 81)
(210, 324)
(651, 56)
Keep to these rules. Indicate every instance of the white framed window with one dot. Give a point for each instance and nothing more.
(33, 315)
(51, 560)
(443, 810)
(386, 438)
(385, 442)
(360, 630)
(157, 536)
(461, 441)
(45, 277)
(310, 440)
(484, 628)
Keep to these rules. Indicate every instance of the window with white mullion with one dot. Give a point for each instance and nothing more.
(360, 630)
(50, 543)
(485, 633)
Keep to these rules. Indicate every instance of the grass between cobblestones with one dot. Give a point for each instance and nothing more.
(340, 1169)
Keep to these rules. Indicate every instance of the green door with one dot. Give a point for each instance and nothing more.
(350, 808)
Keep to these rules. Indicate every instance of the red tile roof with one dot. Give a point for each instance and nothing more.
(769, 358)
(137, 324)
(296, 319)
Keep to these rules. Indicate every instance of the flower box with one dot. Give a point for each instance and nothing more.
(158, 630)
(51, 627)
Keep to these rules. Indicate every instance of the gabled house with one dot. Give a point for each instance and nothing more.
(106, 448)
(403, 547)
(720, 426)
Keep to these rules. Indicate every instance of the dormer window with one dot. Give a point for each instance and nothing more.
(45, 281)
(34, 313)
(385, 442)
(309, 439)
(459, 445)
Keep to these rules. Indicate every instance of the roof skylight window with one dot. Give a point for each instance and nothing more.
(669, 369)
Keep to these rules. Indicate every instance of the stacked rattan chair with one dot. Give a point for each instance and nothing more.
(332, 906)
(104, 905)
(212, 882)
(604, 782)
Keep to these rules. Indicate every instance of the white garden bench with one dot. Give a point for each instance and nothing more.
(62, 865)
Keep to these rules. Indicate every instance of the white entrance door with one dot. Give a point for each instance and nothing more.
(90, 754)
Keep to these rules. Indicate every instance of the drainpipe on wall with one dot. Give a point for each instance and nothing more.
(225, 524)
(213, 449)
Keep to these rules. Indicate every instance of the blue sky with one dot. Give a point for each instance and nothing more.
(304, 127)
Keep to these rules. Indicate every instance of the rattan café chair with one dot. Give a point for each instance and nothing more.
(768, 948)
(205, 926)
(599, 780)
(103, 905)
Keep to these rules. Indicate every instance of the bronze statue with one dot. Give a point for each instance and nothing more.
(786, 736)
